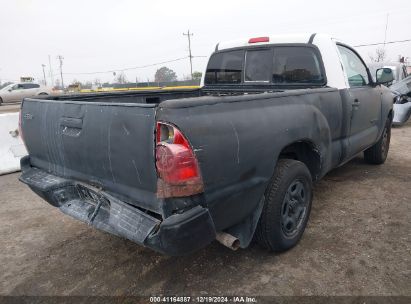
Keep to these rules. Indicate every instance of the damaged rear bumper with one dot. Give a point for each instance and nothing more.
(177, 234)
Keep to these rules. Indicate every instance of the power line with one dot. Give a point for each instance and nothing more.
(179, 59)
(388, 42)
(385, 33)
(129, 68)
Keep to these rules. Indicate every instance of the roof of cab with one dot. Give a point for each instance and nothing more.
(272, 39)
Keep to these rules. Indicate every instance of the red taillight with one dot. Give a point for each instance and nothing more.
(259, 39)
(176, 164)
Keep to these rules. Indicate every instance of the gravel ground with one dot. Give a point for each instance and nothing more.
(357, 243)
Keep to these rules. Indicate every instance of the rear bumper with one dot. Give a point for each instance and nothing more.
(176, 235)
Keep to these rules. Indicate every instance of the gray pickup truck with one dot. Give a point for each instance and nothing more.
(234, 160)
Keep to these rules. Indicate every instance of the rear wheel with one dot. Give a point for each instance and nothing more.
(1, 101)
(287, 206)
(43, 93)
(377, 154)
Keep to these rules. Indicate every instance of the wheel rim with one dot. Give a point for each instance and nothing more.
(294, 208)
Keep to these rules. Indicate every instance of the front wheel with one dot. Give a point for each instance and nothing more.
(377, 154)
(1, 101)
(287, 206)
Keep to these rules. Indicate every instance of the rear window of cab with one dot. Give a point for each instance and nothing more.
(278, 65)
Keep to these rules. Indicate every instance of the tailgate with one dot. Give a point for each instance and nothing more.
(108, 145)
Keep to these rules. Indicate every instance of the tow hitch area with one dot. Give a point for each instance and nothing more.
(177, 234)
(94, 208)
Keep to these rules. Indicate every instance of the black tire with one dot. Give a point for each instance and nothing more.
(273, 229)
(377, 154)
(43, 94)
(1, 101)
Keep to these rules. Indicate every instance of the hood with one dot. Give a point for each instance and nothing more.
(402, 87)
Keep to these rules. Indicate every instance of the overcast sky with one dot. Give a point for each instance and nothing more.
(112, 35)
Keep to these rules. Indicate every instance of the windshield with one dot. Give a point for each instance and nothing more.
(7, 87)
(278, 65)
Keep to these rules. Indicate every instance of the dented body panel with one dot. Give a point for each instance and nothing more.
(104, 132)
(237, 140)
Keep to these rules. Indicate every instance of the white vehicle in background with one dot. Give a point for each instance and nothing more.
(15, 92)
(402, 105)
(399, 69)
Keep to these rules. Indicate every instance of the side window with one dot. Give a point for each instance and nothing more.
(30, 86)
(353, 67)
(15, 87)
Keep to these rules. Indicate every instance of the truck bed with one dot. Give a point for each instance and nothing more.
(106, 140)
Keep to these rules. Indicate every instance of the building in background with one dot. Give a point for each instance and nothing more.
(26, 79)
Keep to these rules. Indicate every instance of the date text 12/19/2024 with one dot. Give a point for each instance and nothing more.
(202, 299)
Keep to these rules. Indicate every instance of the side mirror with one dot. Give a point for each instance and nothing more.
(10, 90)
(384, 76)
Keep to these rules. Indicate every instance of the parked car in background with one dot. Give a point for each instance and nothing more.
(402, 105)
(15, 92)
(401, 87)
(399, 69)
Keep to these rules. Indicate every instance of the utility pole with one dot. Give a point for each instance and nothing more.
(51, 73)
(44, 74)
(189, 51)
(385, 33)
(60, 58)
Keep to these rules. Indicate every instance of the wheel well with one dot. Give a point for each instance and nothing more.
(306, 153)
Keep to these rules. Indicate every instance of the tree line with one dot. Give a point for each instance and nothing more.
(163, 74)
